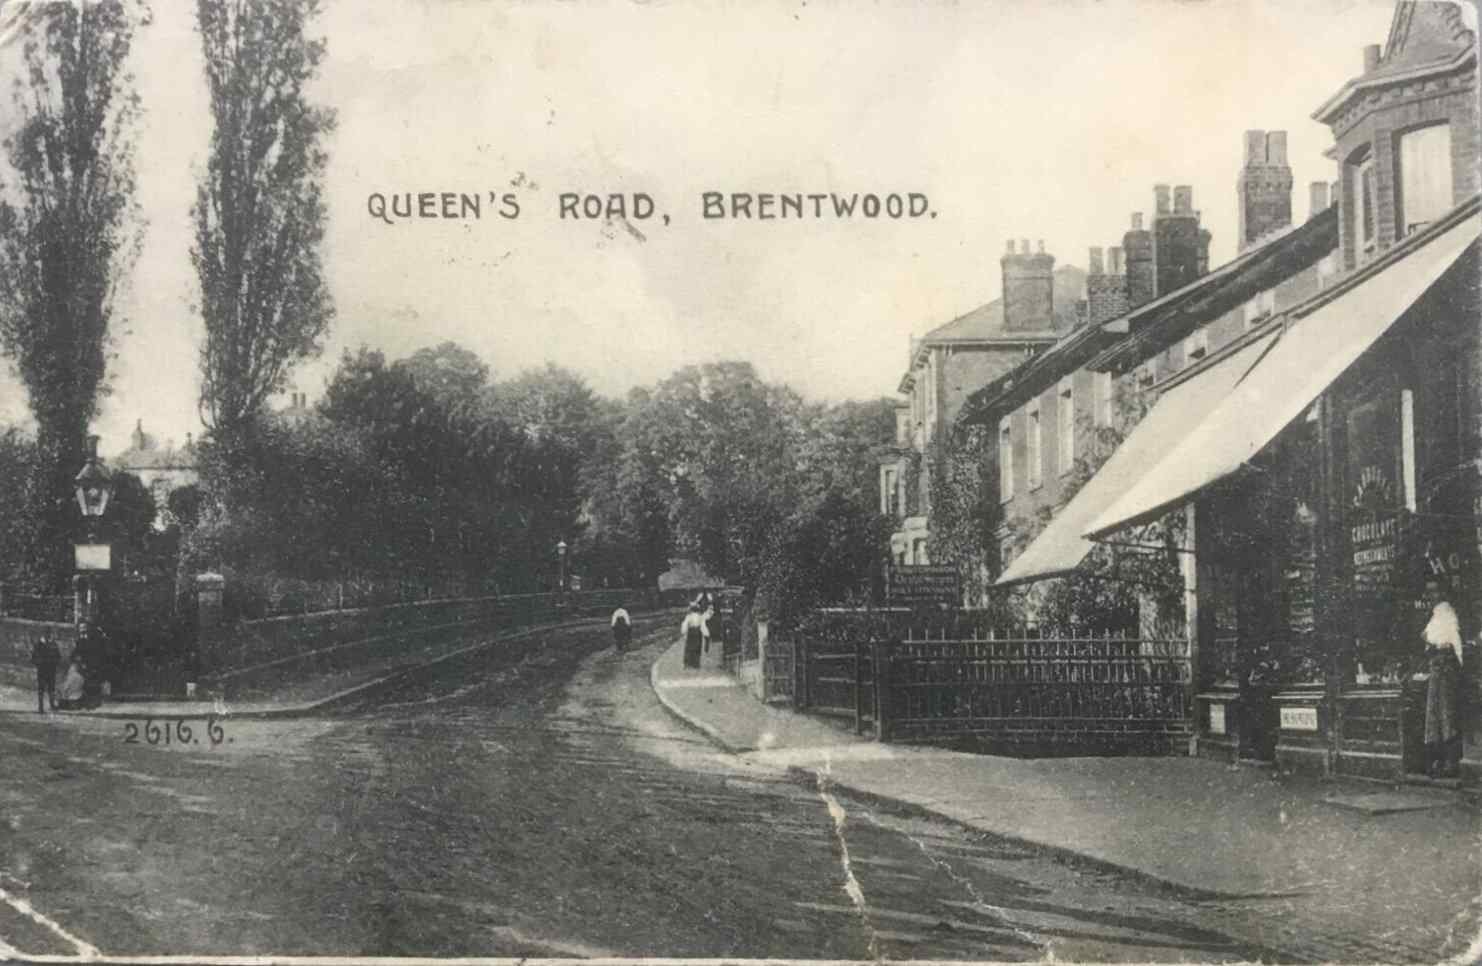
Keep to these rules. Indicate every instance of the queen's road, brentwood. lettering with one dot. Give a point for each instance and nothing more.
(767, 206)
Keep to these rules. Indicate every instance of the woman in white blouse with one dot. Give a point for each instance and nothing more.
(1443, 653)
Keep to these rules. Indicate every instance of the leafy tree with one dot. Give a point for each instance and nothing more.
(717, 447)
(131, 512)
(18, 524)
(453, 375)
(184, 505)
(68, 234)
(259, 211)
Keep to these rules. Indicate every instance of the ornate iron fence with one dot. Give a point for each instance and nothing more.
(1082, 691)
(1083, 688)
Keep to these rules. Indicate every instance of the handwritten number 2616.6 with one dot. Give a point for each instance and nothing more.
(176, 732)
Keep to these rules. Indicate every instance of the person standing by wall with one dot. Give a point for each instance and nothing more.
(45, 657)
(1442, 636)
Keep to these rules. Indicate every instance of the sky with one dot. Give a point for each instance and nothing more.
(1044, 120)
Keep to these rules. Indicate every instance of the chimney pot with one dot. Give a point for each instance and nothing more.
(1093, 262)
(1319, 194)
(1255, 147)
(1024, 246)
(1137, 221)
(1041, 244)
(1371, 58)
(1183, 199)
(1009, 250)
(1114, 256)
(1276, 148)
(1160, 198)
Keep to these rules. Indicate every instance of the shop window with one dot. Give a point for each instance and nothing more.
(1035, 456)
(888, 497)
(1065, 425)
(1424, 177)
(1005, 460)
(919, 550)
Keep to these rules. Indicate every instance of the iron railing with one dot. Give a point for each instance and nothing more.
(1088, 689)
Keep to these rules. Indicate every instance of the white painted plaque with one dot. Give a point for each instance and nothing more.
(92, 556)
(1217, 719)
(1299, 719)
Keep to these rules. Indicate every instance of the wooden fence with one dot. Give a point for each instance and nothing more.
(1093, 692)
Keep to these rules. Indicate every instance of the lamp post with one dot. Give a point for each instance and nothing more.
(561, 556)
(93, 487)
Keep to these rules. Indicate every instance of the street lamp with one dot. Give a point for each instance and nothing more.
(561, 555)
(93, 487)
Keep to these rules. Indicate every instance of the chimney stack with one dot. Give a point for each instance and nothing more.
(1371, 58)
(1264, 187)
(1319, 195)
(1106, 291)
(1028, 289)
(1138, 246)
(1180, 245)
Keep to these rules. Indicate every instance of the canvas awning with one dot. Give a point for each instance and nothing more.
(1060, 548)
(1310, 353)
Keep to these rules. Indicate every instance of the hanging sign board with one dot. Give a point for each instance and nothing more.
(92, 556)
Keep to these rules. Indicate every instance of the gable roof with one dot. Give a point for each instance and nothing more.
(1425, 37)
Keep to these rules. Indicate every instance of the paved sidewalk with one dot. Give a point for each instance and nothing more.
(1354, 856)
(296, 695)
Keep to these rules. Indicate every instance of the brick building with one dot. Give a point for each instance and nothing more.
(1038, 305)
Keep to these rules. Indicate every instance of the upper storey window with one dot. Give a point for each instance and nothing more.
(1365, 225)
(1424, 176)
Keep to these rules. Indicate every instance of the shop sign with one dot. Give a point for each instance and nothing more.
(1217, 719)
(924, 585)
(1298, 719)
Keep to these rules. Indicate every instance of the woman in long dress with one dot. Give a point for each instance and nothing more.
(693, 630)
(1442, 717)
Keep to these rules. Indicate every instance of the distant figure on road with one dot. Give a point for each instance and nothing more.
(622, 628)
(694, 633)
(73, 684)
(45, 657)
(1443, 653)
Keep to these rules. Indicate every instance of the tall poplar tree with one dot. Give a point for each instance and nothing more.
(68, 234)
(259, 210)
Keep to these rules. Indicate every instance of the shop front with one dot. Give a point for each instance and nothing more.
(1336, 498)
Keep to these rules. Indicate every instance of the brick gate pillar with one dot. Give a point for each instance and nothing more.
(209, 590)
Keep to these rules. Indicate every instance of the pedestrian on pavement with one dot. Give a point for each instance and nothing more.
(1443, 653)
(45, 657)
(622, 628)
(693, 630)
(73, 684)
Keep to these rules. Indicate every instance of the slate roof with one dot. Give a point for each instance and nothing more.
(986, 321)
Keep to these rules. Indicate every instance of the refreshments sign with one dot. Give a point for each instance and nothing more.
(924, 585)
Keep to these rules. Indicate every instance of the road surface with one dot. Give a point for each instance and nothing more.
(531, 798)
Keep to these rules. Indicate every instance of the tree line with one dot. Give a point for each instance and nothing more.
(422, 466)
